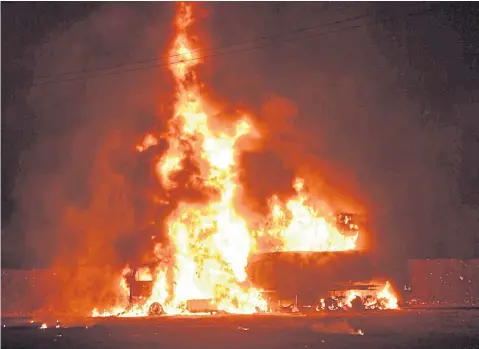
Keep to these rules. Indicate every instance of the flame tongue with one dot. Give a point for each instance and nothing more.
(211, 242)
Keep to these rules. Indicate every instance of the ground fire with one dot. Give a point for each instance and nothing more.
(211, 245)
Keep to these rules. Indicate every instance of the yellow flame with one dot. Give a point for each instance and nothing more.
(385, 298)
(148, 141)
(298, 225)
(211, 242)
(389, 297)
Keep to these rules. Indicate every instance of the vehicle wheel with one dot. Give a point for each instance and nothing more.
(155, 309)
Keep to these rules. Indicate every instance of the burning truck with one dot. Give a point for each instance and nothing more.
(140, 284)
(323, 280)
(320, 281)
(300, 281)
(214, 266)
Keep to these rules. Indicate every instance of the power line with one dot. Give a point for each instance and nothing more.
(249, 41)
(240, 50)
(245, 42)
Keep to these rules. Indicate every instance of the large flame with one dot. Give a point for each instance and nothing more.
(299, 225)
(210, 242)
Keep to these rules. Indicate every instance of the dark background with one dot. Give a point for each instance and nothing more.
(434, 62)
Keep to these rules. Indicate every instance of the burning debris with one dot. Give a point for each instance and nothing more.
(210, 243)
(361, 300)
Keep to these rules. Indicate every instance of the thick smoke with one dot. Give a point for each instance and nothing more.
(84, 188)
(332, 109)
(359, 123)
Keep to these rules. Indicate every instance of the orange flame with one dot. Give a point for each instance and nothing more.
(211, 242)
(389, 297)
(300, 226)
(149, 141)
(383, 299)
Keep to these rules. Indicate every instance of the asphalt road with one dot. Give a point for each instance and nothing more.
(390, 329)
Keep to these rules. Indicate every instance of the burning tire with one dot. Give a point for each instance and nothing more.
(155, 309)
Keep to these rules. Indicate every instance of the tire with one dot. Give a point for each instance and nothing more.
(155, 309)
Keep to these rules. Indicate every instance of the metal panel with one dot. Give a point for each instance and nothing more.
(311, 273)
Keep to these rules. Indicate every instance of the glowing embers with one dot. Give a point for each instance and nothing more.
(382, 299)
(337, 301)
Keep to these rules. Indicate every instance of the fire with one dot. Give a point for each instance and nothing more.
(385, 298)
(144, 274)
(210, 242)
(149, 141)
(388, 296)
(298, 225)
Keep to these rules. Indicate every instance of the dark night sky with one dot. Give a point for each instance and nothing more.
(395, 104)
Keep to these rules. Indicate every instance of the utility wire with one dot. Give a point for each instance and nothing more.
(239, 50)
(249, 41)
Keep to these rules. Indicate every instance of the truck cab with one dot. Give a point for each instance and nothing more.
(140, 283)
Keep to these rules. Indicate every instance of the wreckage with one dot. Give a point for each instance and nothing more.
(140, 283)
(316, 279)
(332, 280)
(291, 281)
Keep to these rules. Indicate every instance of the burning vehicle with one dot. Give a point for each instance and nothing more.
(295, 281)
(224, 259)
(323, 280)
(317, 281)
(140, 284)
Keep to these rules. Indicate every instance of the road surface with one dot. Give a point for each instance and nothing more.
(409, 329)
